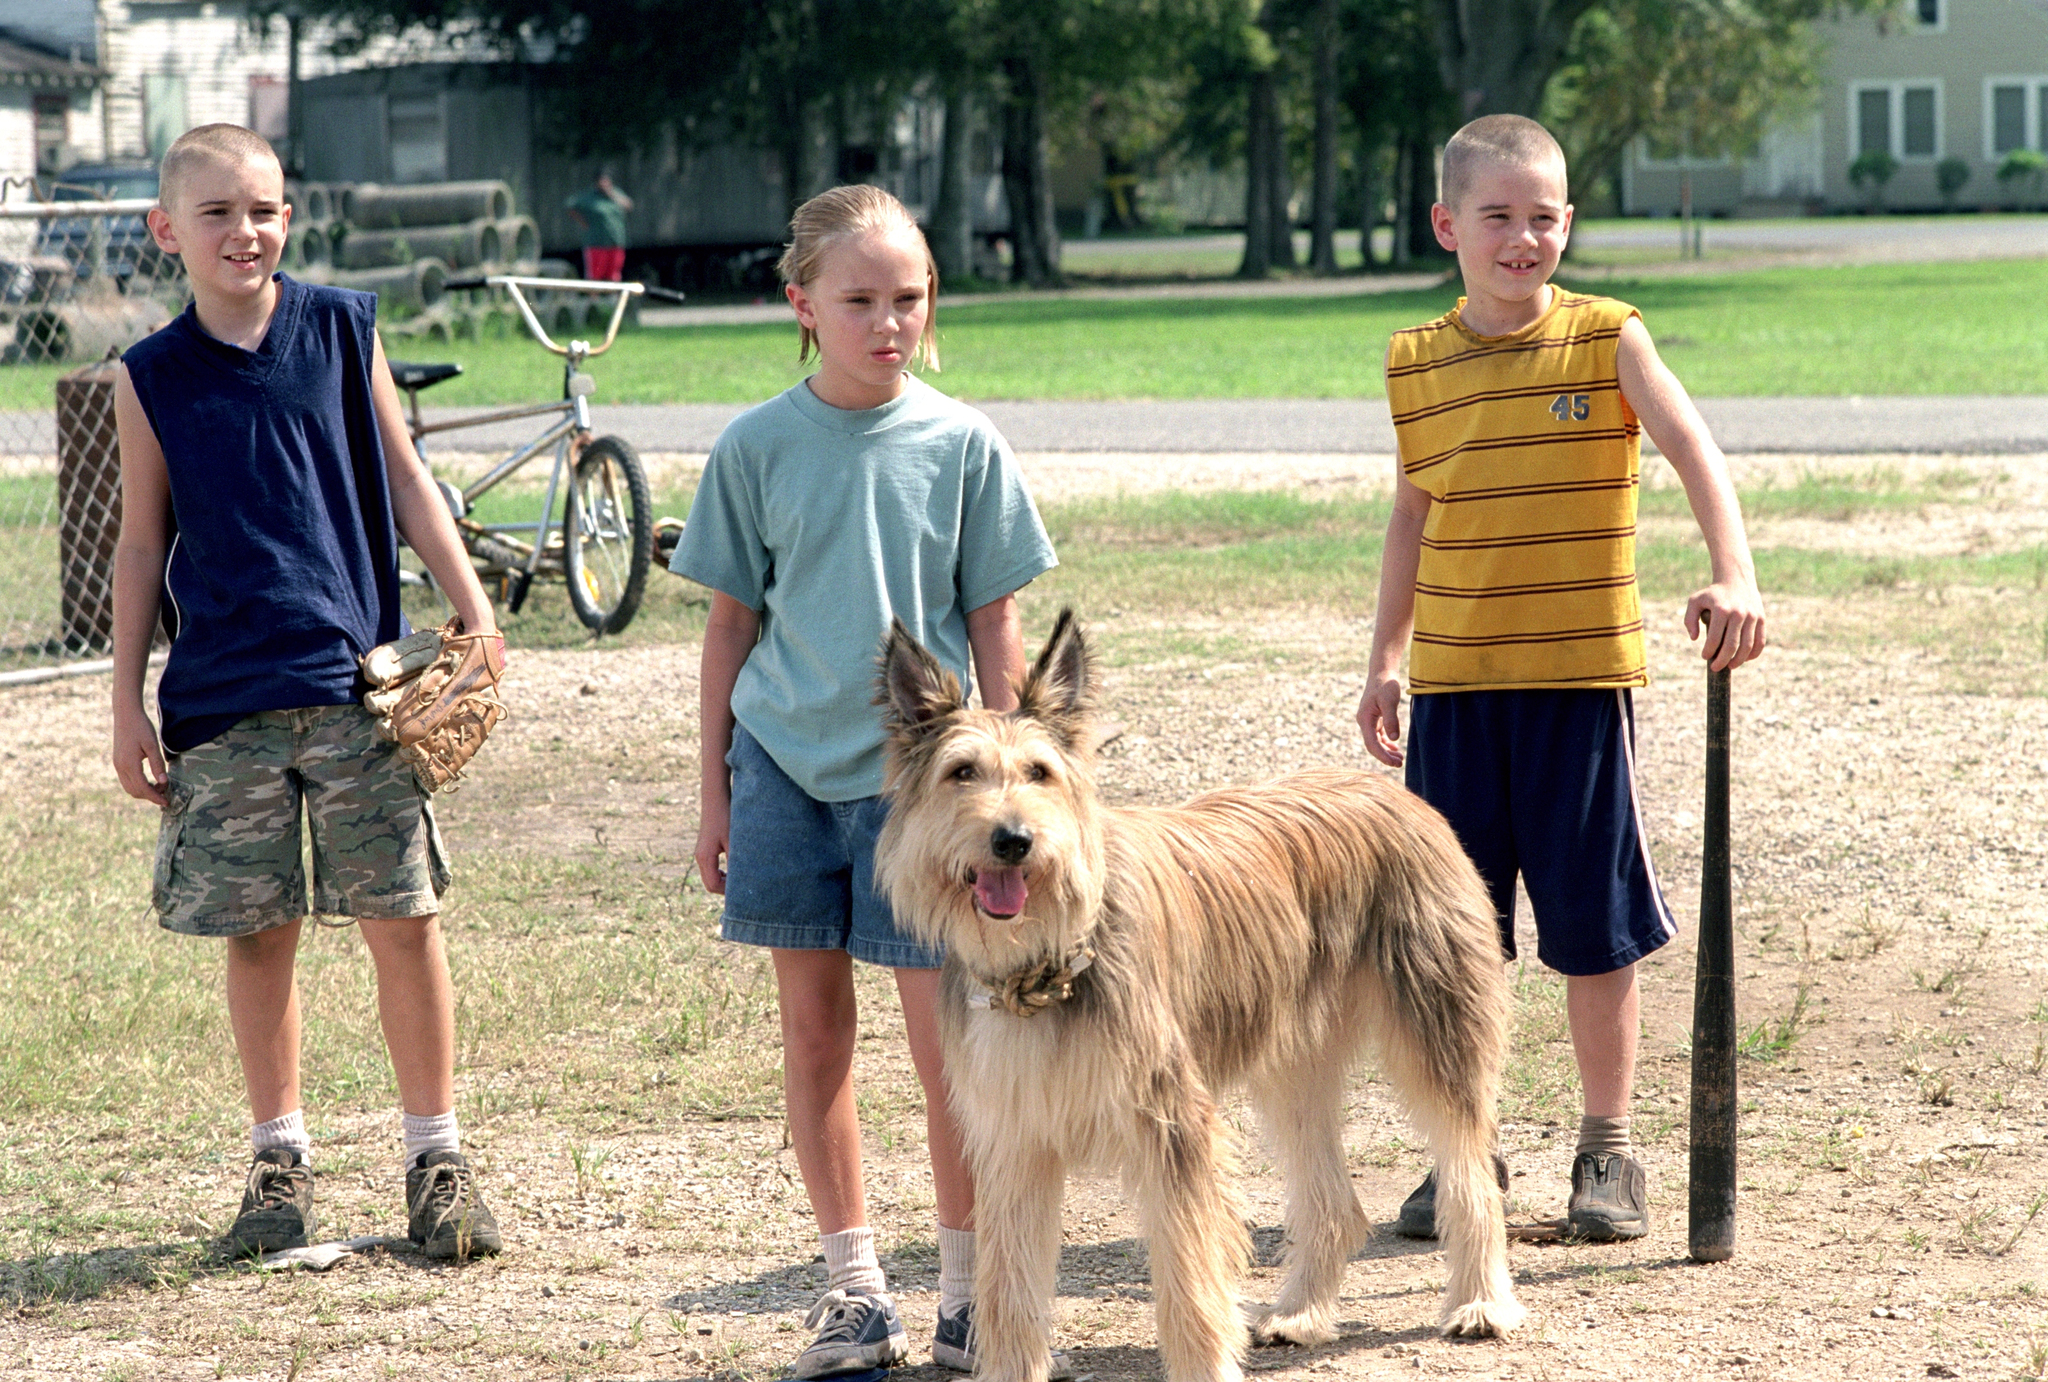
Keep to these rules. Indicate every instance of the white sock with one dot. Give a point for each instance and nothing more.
(850, 1260)
(956, 1269)
(288, 1132)
(435, 1132)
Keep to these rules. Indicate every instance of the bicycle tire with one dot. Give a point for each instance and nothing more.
(607, 535)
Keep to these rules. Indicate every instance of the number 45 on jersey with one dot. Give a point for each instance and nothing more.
(1572, 407)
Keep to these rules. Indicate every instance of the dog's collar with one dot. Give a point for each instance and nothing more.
(1034, 988)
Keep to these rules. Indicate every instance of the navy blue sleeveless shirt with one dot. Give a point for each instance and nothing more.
(283, 567)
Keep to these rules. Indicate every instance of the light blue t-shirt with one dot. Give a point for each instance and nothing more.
(830, 523)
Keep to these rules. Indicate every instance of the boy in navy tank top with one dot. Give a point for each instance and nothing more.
(266, 478)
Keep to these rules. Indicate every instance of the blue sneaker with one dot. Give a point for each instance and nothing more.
(953, 1346)
(857, 1332)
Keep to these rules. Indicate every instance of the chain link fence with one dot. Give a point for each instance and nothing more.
(80, 281)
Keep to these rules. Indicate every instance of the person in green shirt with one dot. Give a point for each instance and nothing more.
(600, 213)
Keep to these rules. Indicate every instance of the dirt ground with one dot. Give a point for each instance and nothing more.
(1892, 890)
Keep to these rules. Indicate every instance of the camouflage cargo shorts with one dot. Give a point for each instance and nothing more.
(229, 857)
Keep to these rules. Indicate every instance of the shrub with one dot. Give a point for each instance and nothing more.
(2023, 171)
(1949, 175)
(1872, 171)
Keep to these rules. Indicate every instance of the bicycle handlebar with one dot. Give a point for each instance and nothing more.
(514, 284)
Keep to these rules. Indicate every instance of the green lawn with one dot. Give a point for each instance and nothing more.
(1885, 329)
(1893, 329)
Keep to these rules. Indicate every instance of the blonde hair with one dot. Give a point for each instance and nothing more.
(855, 209)
(1514, 139)
(209, 144)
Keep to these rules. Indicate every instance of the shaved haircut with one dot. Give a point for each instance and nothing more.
(1512, 139)
(209, 144)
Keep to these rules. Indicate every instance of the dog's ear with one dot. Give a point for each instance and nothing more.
(1060, 689)
(912, 688)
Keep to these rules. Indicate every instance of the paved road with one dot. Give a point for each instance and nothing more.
(1990, 425)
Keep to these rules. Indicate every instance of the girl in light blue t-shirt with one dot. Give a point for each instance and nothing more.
(859, 496)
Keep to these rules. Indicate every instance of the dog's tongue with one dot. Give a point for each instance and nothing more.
(1000, 892)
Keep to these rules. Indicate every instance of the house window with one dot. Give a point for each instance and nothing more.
(1874, 120)
(163, 110)
(1918, 122)
(2015, 115)
(1928, 13)
(1902, 119)
(419, 139)
(53, 132)
(2008, 119)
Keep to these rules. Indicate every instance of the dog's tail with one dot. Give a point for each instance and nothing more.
(1435, 956)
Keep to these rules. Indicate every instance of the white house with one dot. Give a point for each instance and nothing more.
(1936, 80)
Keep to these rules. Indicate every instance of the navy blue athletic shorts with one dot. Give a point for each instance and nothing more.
(1542, 783)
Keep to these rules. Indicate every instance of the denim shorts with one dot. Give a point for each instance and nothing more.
(229, 857)
(800, 873)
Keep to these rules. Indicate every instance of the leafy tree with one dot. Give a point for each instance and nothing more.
(1698, 78)
(1394, 90)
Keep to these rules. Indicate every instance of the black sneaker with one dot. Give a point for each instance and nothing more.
(857, 1332)
(277, 1205)
(445, 1214)
(953, 1346)
(1417, 1218)
(1610, 1197)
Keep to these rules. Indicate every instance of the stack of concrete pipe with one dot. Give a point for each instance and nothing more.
(403, 243)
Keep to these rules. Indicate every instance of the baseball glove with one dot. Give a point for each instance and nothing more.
(435, 695)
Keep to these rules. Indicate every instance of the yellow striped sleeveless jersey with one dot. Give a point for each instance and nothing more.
(1532, 456)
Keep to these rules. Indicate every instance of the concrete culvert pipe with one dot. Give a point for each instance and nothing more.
(429, 204)
(519, 240)
(462, 246)
(418, 284)
(312, 206)
(86, 330)
(306, 249)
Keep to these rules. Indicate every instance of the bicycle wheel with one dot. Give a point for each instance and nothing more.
(608, 535)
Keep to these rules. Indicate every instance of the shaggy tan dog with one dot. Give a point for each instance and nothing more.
(1110, 973)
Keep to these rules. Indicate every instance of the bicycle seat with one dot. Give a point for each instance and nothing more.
(410, 376)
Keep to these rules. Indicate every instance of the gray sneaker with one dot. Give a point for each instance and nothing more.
(445, 1214)
(277, 1204)
(1417, 1218)
(856, 1332)
(953, 1346)
(1610, 1198)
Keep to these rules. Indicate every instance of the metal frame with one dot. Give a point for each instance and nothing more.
(567, 435)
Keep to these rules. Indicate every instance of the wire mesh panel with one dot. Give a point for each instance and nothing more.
(79, 282)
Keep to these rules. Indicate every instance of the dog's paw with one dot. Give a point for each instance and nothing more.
(1484, 1319)
(1305, 1330)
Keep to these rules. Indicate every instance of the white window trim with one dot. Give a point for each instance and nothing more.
(2033, 119)
(1897, 123)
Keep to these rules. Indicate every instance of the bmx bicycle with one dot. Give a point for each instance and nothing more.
(600, 542)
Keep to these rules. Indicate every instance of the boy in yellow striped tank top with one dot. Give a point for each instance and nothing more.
(1509, 576)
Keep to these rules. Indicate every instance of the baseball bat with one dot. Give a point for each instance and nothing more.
(1711, 1222)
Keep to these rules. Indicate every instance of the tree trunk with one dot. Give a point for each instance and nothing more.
(1323, 235)
(1371, 197)
(1498, 55)
(1420, 179)
(1258, 147)
(1027, 177)
(1279, 187)
(952, 229)
(1402, 252)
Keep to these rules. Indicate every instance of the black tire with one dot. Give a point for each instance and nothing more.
(607, 535)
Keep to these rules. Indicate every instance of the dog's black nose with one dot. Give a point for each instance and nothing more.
(1010, 845)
